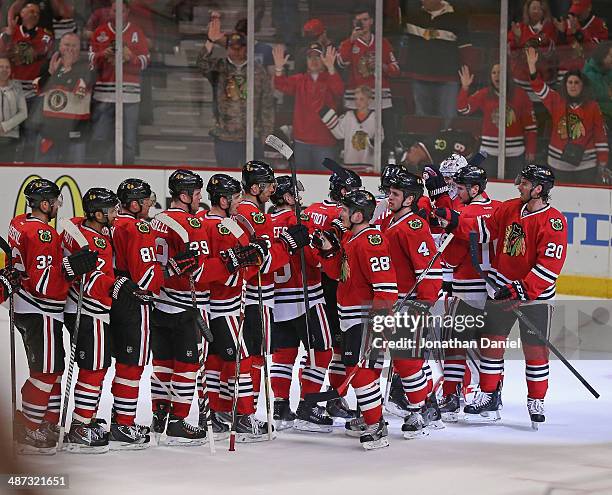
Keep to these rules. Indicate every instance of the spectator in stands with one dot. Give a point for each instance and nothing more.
(228, 77)
(579, 34)
(536, 29)
(28, 46)
(313, 90)
(136, 59)
(578, 149)
(56, 16)
(521, 129)
(65, 83)
(357, 128)
(432, 150)
(358, 54)
(436, 33)
(599, 71)
(13, 111)
(314, 32)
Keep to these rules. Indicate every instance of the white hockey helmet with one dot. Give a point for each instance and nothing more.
(451, 165)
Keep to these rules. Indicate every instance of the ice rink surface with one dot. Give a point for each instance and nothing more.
(570, 454)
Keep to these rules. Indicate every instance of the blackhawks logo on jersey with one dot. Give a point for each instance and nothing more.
(304, 217)
(573, 124)
(223, 230)
(556, 224)
(375, 239)
(514, 240)
(258, 217)
(359, 141)
(100, 243)
(415, 224)
(143, 227)
(194, 222)
(45, 235)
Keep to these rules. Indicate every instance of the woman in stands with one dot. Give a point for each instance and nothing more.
(578, 149)
(521, 129)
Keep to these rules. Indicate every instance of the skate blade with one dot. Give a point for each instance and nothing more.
(221, 436)
(411, 435)
(484, 417)
(75, 448)
(535, 425)
(280, 425)
(183, 442)
(436, 425)
(353, 433)
(309, 427)
(118, 445)
(29, 450)
(250, 438)
(381, 443)
(391, 408)
(450, 417)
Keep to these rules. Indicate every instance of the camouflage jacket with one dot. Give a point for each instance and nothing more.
(229, 84)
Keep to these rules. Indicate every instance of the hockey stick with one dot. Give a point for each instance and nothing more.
(335, 168)
(267, 382)
(478, 158)
(5, 246)
(524, 319)
(73, 231)
(287, 152)
(172, 224)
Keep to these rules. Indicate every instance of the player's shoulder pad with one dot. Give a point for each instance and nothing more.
(100, 242)
(375, 239)
(415, 223)
(258, 217)
(143, 226)
(194, 222)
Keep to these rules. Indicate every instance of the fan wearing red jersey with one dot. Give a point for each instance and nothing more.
(325, 217)
(531, 248)
(468, 287)
(225, 306)
(258, 184)
(134, 250)
(93, 346)
(367, 287)
(411, 247)
(39, 312)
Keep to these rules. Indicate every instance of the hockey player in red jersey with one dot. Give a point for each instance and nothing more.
(225, 304)
(531, 248)
(468, 288)
(367, 287)
(289, 323)
(39, 313)
(325, 216)
(258, 184)
(93, 348)
(134, 250)
(411, 247)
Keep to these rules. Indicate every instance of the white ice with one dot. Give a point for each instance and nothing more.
(570, 454)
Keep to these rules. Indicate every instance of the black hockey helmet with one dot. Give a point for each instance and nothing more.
(284, 184)
(470, 176)
(222, 186)
(39, 190)
(539, 175)
(406, 181)
(133, 190)
(390, 170)
(184, 181)
(256, 172)
(99, 199)
(338, 182)
(360, 200)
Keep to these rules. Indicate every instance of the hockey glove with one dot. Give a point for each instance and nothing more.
(434, 182)
(10, 280)
(185, 262)
(512, 291)
(338, 227)
(241, 256)
(262, 245)
(448, 219)
(295, 237)
(127, 292)
(79, 263)
(326, 243)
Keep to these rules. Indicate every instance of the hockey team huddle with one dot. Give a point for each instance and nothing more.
(210, 295)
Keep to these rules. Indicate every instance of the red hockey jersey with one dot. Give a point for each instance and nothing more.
(133, 39)
(585, 126)
(521, 128)
(27, 52)
(37, 252)
(412, 247)
(578, 47)
(320, 215)
(134, 244)
(263, 225)
(99, 282)
(359, 57)
(467, 284)
(367, 278)
(531, 247)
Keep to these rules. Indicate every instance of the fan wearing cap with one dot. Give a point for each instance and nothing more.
(531, 248)
(579, 34)
(317, 88)
(228, 77)
(314, 31)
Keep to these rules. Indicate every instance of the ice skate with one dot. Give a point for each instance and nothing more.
(432, 414)
(536, 412)
(128, 437)
(85, 439)
(486, 407)
(414, 425)
(313, 419)
(355, 427)
(397, 404)
(375, 436)
(249, 429)
(450, 408)
(34, 442)
(220, 428)
(181, 433)
(284, 417)
(339, 408)
(51, 430)
(160, 419)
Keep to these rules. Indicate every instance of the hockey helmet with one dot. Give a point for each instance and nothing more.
(338, 182)
(222, 185)
(451, 165)
(542, 175)
(407, 181)
(284, 184)
(360, 200)
(184, 181)
(256, 172)
(39, 190)
(470, 176)
(99, 199)
(133, 190)
(390, 171)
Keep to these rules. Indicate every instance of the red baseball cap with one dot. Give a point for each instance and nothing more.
(579, 7)
(314, 28)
